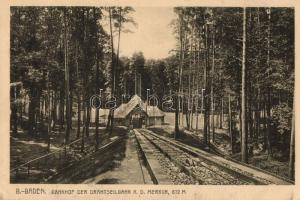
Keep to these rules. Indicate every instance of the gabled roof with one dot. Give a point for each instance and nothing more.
(154, 111)
(124, 109)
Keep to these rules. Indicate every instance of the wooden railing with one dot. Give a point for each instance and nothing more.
(43, 164)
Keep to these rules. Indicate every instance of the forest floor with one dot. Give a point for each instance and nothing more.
(222, 142)
(25, 148)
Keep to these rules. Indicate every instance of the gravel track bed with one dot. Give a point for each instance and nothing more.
(207, 173)
(176, 175)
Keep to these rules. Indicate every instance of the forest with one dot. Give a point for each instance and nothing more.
(233, 67)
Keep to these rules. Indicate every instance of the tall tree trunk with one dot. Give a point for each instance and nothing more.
(180, 66)
(257, 117)
(67, 80)
(42, 109)
(268, 86)
(54, 109)
(31, 111)
(292, 147)
(71, 108)
(240, 120)
(197, 114)
(14, 118)
(184, 48)
(244, 97)
(182, 105)
(192, 104)
(249, 92)
(266, 140)
(24, 106)
(13, 115)
(85, 78)
(84, 125)
(212, 85)
(187, 116)
(111, 111)
(230, 124)
(97, 128)
(197, 79)
(20, 107)
(222, 113)
(78, 115)
(189, 81)
(268, 124)
(250, 115)
(48, 111)
(250, 112)
(118, 48)
(176, 133)
(88, 121)
(38, 124)
(206, 91)
(217, 118)
(61, 108)
(97, 85)
(78, 92)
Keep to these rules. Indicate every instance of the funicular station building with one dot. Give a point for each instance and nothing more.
(137, 114)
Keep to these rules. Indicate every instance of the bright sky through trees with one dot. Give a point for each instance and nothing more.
(153, 35)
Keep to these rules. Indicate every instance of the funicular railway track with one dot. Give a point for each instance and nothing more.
(198, 166)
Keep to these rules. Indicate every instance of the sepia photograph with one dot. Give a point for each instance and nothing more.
(177, 95)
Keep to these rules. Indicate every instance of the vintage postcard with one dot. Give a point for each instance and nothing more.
(149, 100)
